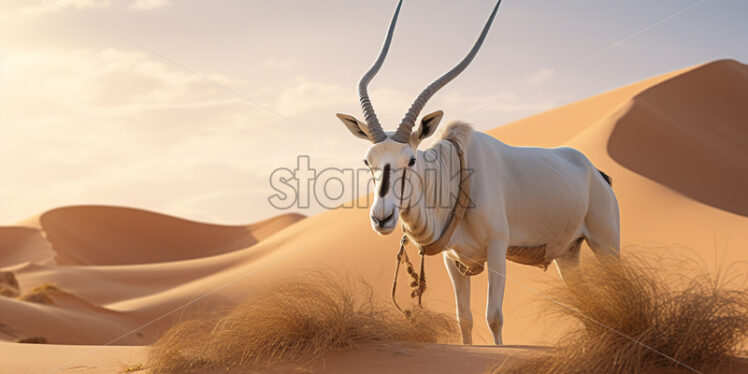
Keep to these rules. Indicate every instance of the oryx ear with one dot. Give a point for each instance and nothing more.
(428, 126)
(353, 125)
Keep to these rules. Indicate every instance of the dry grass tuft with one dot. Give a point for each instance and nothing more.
(697, 320)
(33, 340)
(8, 291)
(297, 320)
(133, 368)
(8, 284)
(42, 294)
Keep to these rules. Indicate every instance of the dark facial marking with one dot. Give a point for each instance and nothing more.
(402, 187)
(385, 180)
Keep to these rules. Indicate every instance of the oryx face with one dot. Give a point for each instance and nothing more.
(390, 162)
(393, 167)
(392, 157)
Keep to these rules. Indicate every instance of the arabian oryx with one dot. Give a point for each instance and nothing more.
(529, 205)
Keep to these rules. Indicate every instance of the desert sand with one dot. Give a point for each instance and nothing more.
(676, 146)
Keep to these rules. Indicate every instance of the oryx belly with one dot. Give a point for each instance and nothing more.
(533, 256)
(465, 265)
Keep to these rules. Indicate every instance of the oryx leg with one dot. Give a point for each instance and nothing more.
(496, 264)
(568, 263)
(602, 230)
(605, 247)
(461, 285)
(604, 239)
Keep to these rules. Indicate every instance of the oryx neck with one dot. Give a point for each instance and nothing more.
(435, 181)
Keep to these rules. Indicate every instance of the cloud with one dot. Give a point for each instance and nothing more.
(306, 95)
(149, 4)
(54, 5)
(538, 76)
(83, 3)
(117, 126)
(502, 102)
(101, 85)
(286, 64)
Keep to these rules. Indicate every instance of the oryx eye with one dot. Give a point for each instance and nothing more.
(412, 161)
(366, 162)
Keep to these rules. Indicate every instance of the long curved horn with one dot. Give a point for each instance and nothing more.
(406, 125)
(373, 127)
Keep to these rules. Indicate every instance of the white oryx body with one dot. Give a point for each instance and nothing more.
(533, 197)
(540, 200)
(531, 205)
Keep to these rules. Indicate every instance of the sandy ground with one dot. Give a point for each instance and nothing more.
(675, 146)
(391, 358)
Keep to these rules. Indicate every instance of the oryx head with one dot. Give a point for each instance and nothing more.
(393, 154)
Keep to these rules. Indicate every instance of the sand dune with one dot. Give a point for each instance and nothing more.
(23, 244)
(132, 288)
(133, 236)
(124, 267)
(706, 138)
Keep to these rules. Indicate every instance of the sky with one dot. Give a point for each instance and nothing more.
(187, 107)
